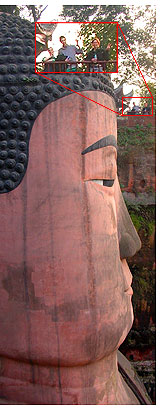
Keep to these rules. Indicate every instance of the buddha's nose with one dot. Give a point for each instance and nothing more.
(129, 241)
(129, 244)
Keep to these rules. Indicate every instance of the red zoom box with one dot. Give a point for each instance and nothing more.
(78, 72)
(137, 115)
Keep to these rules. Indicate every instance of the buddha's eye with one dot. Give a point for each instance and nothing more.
(98, 181)
(108, 182)
(105, 182)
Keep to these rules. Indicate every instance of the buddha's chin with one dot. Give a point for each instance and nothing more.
(130, 320)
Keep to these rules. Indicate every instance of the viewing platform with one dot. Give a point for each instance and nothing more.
(78, 66)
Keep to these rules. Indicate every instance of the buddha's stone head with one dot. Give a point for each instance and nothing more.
(65, 231)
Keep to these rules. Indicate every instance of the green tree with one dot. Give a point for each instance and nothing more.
(11, 9)
(145, 39)
(143, 92)
(84, 13)
(106, 33)
(30, 12)
(138, 27)
(35, 11)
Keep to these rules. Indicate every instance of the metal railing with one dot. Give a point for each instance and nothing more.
(86, 66)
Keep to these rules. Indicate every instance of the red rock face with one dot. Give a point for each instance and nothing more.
(136, 169)
(65, 292)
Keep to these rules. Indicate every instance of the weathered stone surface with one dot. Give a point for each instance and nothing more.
(65, 284)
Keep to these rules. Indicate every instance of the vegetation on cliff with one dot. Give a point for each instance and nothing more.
(135, 136)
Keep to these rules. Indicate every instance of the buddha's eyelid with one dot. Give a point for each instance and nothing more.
(109, 140)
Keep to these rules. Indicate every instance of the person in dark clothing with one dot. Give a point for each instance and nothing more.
(97, 54)
(135, 110)
(146, 109)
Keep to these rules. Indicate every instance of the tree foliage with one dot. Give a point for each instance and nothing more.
(30, 12)
(143, 92)
(106, 33)
(138, 27)
(11, 9)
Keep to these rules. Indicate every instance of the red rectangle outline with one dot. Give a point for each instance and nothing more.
(137, 115)
(77, 22)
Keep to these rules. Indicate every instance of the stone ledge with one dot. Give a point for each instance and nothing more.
(141, 199)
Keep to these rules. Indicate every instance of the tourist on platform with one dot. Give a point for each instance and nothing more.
(146, 110)
(70, 52)
(98, 54)
(135, 110)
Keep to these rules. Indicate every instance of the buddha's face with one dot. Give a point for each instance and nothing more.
(78, 234)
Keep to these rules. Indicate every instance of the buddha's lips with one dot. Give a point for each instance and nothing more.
(129, 291)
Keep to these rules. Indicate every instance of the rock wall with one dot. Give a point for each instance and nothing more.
(136, 169)
(136, 159)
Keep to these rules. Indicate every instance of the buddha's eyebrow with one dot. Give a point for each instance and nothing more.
(109, 140)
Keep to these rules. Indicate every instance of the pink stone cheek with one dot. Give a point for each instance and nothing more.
(88, 280)
(64, 295)
(82, 284)
(114, 309)
(41, 217)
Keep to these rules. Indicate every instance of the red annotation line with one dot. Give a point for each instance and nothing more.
(116, 112)
(135, 59)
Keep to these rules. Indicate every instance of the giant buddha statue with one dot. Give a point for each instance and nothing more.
(65, 235)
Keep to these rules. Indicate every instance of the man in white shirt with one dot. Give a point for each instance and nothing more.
(70, 52)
